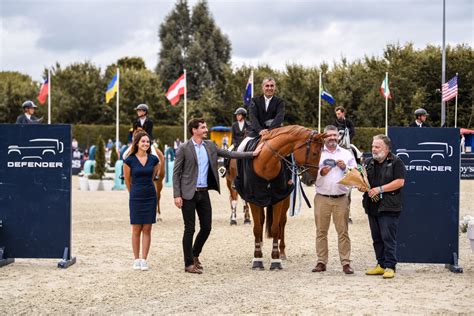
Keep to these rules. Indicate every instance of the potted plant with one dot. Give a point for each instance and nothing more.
(467, 226)
(83, 182)
(99, 170)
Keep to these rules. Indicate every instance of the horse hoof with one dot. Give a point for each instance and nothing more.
(276, 264)
(283, 257)
(257, 264)
(247, 221)
(233, 222)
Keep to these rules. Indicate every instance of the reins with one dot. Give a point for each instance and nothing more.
(293, 166)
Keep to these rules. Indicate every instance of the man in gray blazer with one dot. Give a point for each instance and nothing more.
(195, 172)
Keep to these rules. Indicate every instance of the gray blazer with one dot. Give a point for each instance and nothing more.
(185, 172)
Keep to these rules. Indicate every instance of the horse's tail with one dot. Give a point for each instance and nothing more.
(269, 221)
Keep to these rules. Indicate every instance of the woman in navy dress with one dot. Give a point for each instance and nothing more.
(140, 168)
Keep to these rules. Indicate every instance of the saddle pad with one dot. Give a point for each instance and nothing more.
(259, 191)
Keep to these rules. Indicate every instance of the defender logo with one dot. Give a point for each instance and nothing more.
(427, 152)
(422, 157)
(36, 150)
(39, 148)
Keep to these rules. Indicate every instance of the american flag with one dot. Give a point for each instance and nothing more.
(450, 89)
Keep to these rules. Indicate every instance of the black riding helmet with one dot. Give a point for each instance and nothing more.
(420, 111)
(28, 104)
(143, 107)
(241, 111)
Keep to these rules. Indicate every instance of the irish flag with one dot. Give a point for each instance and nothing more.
(384, 88)
(176, 90)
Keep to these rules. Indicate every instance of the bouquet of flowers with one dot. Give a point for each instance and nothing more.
(358, 177)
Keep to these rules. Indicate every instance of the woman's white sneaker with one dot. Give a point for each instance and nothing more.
(144, 265)
(137, 264)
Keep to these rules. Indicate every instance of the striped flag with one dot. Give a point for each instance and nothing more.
(384, 89)
(43, 92)
(111, 89)
(450, 89)
(176, 90)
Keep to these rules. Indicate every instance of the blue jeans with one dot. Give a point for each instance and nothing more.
(384, 236)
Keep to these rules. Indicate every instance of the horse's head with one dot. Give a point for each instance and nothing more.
(307, 156)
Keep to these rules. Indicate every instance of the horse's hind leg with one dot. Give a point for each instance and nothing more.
(247, 219)
(258, 220)
(158, 188)
(233, 214)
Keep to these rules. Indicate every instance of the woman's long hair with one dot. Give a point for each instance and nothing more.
(136, 139)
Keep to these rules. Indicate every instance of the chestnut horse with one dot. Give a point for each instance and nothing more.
(234, 195)
(305, 145)
(159, 182)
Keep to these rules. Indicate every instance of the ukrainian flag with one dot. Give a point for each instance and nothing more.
(111, 89)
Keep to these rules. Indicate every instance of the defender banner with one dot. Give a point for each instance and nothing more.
(429, 223)
(35, 190)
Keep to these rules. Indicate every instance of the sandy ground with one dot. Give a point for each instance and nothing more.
(102, 281)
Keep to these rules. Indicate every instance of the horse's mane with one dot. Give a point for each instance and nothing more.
(293, 130)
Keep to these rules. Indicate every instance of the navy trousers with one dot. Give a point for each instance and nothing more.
(384, 236)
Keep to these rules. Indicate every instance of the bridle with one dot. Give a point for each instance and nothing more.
(293, 166)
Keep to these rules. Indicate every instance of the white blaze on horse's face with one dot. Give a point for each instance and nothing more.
(269, 87)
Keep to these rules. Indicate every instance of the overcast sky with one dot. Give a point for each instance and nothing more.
(37, 33)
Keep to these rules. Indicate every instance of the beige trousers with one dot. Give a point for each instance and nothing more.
(324, 207)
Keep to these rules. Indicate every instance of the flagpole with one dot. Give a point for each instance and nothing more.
(456, 106)
(319, 107)
(117, 110)
(251, 93)
(386, 105)
(49, 95)
(185, 105)
(443, 66)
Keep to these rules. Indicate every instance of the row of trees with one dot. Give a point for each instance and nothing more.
(191, 40)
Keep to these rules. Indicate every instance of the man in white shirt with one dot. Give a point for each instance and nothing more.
(331, 199)
(267, 112)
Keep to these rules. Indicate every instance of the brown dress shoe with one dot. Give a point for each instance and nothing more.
(347, 269)
(192, 269)
(197, 263)
(320, 267)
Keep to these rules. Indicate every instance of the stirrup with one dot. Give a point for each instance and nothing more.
(222, 171)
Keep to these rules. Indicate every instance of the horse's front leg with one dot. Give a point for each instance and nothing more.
(275, 233)
(258, 220)
(283, 219)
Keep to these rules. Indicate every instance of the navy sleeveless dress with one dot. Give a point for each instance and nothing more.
(143, 200)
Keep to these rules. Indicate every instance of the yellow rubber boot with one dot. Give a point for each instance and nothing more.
(389, 273)
(378, 270)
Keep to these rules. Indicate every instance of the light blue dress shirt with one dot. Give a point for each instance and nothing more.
(203, 164)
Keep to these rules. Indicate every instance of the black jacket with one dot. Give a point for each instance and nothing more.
(237, 134)
(261, 119)
(346, 123)
(22, 119)
(423, 124)
(391, 201)
(147, 126)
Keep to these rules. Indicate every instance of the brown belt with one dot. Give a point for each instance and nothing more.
(333, 196)
(201, 189)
